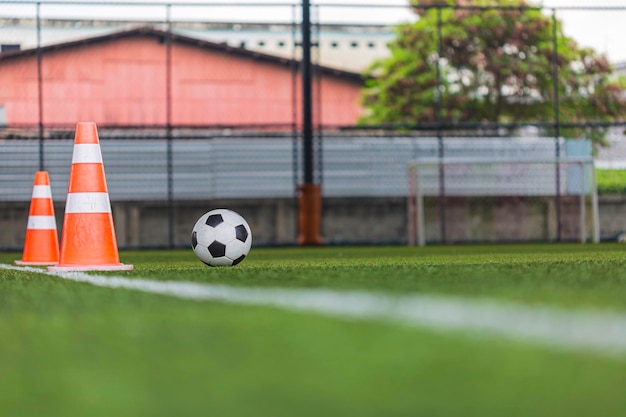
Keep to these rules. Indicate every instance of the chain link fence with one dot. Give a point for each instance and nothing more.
(186, 138)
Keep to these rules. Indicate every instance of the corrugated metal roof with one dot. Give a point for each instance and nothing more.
(177, 38)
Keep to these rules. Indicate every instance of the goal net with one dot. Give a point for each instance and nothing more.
(502, 199)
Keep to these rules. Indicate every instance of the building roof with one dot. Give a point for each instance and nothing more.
(351, 48)
(162, 35)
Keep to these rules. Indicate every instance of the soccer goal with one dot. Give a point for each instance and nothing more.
(502, 199)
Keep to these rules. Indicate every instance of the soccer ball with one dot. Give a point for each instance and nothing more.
(221, 237)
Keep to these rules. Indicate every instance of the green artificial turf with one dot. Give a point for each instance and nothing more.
(72, 349)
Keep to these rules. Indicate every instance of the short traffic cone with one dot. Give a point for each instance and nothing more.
(41, 245)
(88, 240)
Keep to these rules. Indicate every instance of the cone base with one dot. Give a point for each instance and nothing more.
(83, 268)
(36, 263)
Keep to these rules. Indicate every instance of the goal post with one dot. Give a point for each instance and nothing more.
(497, 179)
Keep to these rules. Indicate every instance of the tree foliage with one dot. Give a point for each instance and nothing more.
(495, 61)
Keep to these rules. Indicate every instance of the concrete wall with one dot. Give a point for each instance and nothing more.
(348, 220)
(612, 216)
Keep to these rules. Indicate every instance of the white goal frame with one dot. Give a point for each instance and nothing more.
(503, 177)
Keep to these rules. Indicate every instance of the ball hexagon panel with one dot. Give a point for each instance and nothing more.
(225, 233)
(223, 261)
(205, 235)
(232, 217)
(235, 249)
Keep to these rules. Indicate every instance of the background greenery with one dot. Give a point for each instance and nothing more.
(491, 61)
(611, 181)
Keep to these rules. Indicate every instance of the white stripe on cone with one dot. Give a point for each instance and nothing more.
(42, 191)
(88, 203)
(87, 153)
(41, 223)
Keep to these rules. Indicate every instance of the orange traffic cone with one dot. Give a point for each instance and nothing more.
(88, 239)
(41, 245)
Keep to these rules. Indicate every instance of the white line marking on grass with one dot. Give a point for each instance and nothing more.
(578, 330)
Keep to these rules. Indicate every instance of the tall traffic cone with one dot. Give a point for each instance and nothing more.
(41, 245)
(88, 240)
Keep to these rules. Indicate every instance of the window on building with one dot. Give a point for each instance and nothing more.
(8, 47)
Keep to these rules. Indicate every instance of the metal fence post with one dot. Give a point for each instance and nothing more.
(40, 89)
(168, 115)
(557, 121)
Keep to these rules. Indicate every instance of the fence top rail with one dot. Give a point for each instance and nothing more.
(150, 3)
(478, 161)
(321, 4)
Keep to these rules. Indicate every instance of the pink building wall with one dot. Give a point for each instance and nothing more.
(122, 81)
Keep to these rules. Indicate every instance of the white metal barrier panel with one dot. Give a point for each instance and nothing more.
(501, 177)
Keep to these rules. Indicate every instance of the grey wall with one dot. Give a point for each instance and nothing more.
(348, 220)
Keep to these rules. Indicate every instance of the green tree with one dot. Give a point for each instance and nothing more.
(496, 65)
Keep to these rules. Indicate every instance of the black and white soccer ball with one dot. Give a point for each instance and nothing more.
(221, 237)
